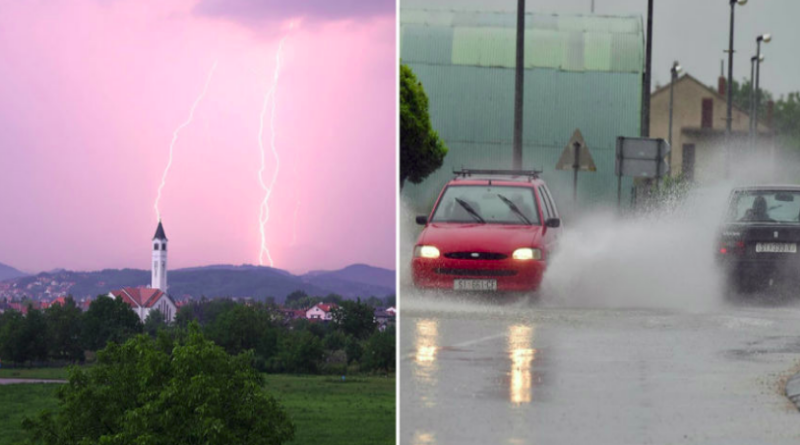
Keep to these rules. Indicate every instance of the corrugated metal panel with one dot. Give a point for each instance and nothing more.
(426, 44)
(578, 44)
(478, 127)
(581, 75)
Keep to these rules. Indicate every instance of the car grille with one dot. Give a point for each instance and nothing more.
(476, 272)
(475, 256)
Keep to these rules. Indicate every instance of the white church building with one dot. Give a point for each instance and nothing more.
(145, 299)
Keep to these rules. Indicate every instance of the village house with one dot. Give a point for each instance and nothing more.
(321, 311)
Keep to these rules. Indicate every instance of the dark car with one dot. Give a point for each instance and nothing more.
(759, 239)
(489, 231)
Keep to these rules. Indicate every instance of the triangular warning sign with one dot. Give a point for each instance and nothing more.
(567, 159)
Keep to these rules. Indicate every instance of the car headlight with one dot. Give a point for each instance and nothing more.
(526, 253)
(426, 252)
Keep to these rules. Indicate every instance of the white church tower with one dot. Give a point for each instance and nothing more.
(159, 272)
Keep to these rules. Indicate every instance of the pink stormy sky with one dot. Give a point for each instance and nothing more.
(92, 91)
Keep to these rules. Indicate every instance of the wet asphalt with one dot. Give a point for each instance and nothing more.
(530, 373)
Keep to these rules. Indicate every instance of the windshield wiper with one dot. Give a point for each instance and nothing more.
(470, 210)
(515, 209)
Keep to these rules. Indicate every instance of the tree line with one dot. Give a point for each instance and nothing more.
(62, 334)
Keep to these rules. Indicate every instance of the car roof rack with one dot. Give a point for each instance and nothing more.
(468, 172)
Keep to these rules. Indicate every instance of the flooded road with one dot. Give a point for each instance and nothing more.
(528, 374)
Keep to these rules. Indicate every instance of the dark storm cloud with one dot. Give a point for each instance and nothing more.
(315, 10)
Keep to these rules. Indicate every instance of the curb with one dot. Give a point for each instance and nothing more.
(793, 390)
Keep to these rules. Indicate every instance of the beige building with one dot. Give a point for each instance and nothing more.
(698, 130)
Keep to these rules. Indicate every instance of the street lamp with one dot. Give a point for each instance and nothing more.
(676, 68)
(766, 38)
(729, 119)
(753, 91)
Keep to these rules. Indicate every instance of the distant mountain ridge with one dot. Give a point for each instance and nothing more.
(215, 281)
(8, 272)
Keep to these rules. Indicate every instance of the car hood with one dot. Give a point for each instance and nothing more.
(498, 238)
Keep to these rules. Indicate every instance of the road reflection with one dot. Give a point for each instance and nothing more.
(522, 354)
(426, 368)
(424, 438)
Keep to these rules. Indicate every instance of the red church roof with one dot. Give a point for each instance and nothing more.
(139, 296)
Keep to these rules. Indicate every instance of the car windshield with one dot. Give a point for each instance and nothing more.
(487, 204)
(765, 206)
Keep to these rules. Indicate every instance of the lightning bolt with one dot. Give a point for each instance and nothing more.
(175, 139)
(264, 208)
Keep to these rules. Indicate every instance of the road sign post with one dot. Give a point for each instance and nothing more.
(576, 157)
(640, 158)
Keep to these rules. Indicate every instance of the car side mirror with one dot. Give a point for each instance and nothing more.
(422, 220)
(553, 223)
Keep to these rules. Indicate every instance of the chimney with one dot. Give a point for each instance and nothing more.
(722, 86)
(770, 112)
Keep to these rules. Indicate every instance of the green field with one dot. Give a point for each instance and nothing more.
(324, 409)
(18, 401)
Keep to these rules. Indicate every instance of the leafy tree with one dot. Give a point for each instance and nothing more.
(204, 311)
(333, 299)
(241, 327)
(12, 346)
(301, 352)
(154, 322)
(355, 318)
(335, 340)
(421, 149)
(33, 337)
(786, 113)
(787, 119)
(109, 319)
(64, 323)
(303, 302)
(294, 297)
(390, 301)
(374, 301)
(190, 393)
(353, 349)
(743, 99)
(379, 353)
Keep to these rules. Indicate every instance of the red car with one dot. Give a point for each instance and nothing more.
(490, 230)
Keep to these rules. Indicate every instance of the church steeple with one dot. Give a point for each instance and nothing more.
(160, 235)
(158, 273)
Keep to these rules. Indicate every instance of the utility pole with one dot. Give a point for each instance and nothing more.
(766, 38)
(519, 84)
(729, 116)
(647, 71)
(576, 166)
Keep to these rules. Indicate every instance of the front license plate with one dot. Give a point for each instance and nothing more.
(475, 285)
(776, 248)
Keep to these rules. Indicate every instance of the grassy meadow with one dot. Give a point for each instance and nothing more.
(325, 409)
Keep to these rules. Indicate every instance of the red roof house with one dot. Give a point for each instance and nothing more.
(321, 311)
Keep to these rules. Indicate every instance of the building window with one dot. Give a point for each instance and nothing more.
(708, 113)
(155, 246)
(164, 246)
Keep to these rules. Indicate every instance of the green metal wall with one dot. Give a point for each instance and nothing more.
(581, 72)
